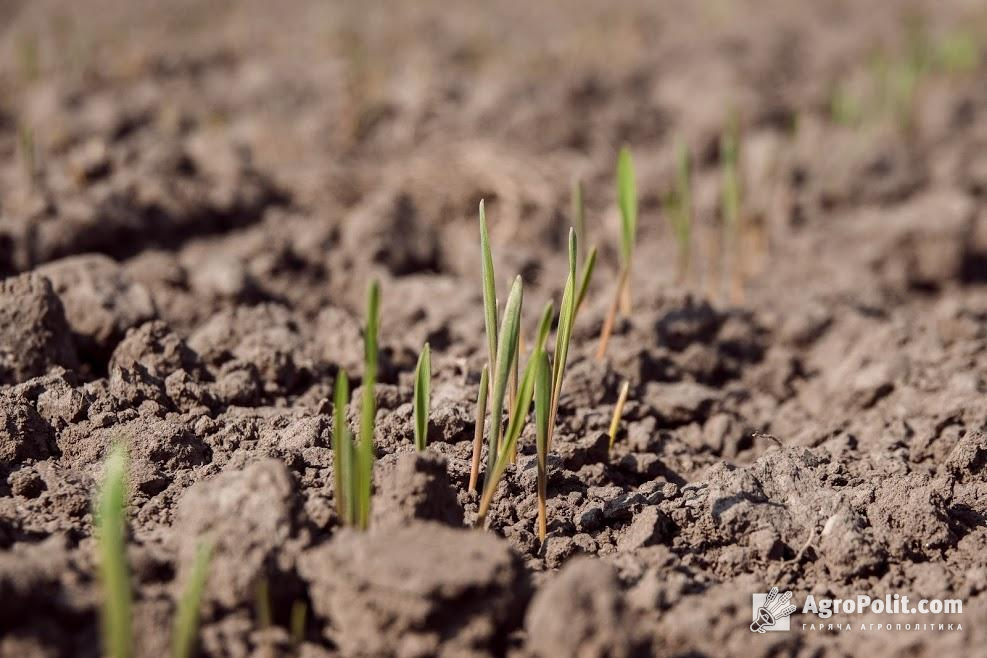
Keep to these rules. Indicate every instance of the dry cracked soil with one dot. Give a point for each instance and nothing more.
(193, 197)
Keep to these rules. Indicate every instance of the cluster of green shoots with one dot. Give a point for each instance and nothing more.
(541, 381)
(893, 80)
(354, 461)
(114, 575)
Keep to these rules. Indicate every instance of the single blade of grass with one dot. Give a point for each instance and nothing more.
(481, 417)
(518, 420)
(298, 613)
(423, 385)
(114, 575)
(543, 402)
(627, 200)
(731, 204)
(342, 451)
(544, 326)
(507, 346)
(186, 625)
(489, 291)
(588, 266)
(368, 406)
(618, 412)
(579, 216)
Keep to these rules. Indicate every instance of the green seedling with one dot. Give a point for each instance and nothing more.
(627, 200)
(507, 347)
(342, 450)
(678, 209)
(368, 408)
(618, 412)
(114, 575)
(28, 57)
(186, 625)
(543, 404)
(563, 334)
(423, 386)
(481, 417)
(518, 419)
(354, 463)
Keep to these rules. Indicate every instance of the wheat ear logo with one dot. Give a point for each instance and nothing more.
(771, 611)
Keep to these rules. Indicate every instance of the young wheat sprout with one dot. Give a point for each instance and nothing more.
(618, 413)
(368, 408)
(543, 403)
(423, 385)
(114, 575)
(186, 625)
(507, 346)
(627, 200)
(481, 417)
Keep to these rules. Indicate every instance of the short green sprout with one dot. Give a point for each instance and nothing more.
(423, 386)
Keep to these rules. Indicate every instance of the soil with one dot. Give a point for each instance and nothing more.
(193, 197)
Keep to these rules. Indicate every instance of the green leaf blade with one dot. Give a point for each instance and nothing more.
(423, 378)
(507, 346)
(114, 574)
(368, 406)
(627, 200)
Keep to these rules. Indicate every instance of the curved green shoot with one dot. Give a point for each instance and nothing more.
(507, 346)
(368, 408)
(543, 402)
(423, 386)
(563, 335)
(481, 417)
(186, 625)
(518, 419)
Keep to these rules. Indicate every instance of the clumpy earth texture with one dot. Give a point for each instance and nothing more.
(195, 195)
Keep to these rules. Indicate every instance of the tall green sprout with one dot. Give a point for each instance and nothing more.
(627, 201)
(368, 408)
(186, 625)
(114, 575)
(678, 209)
(489, 292)
(507, 347)
(423, 384)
